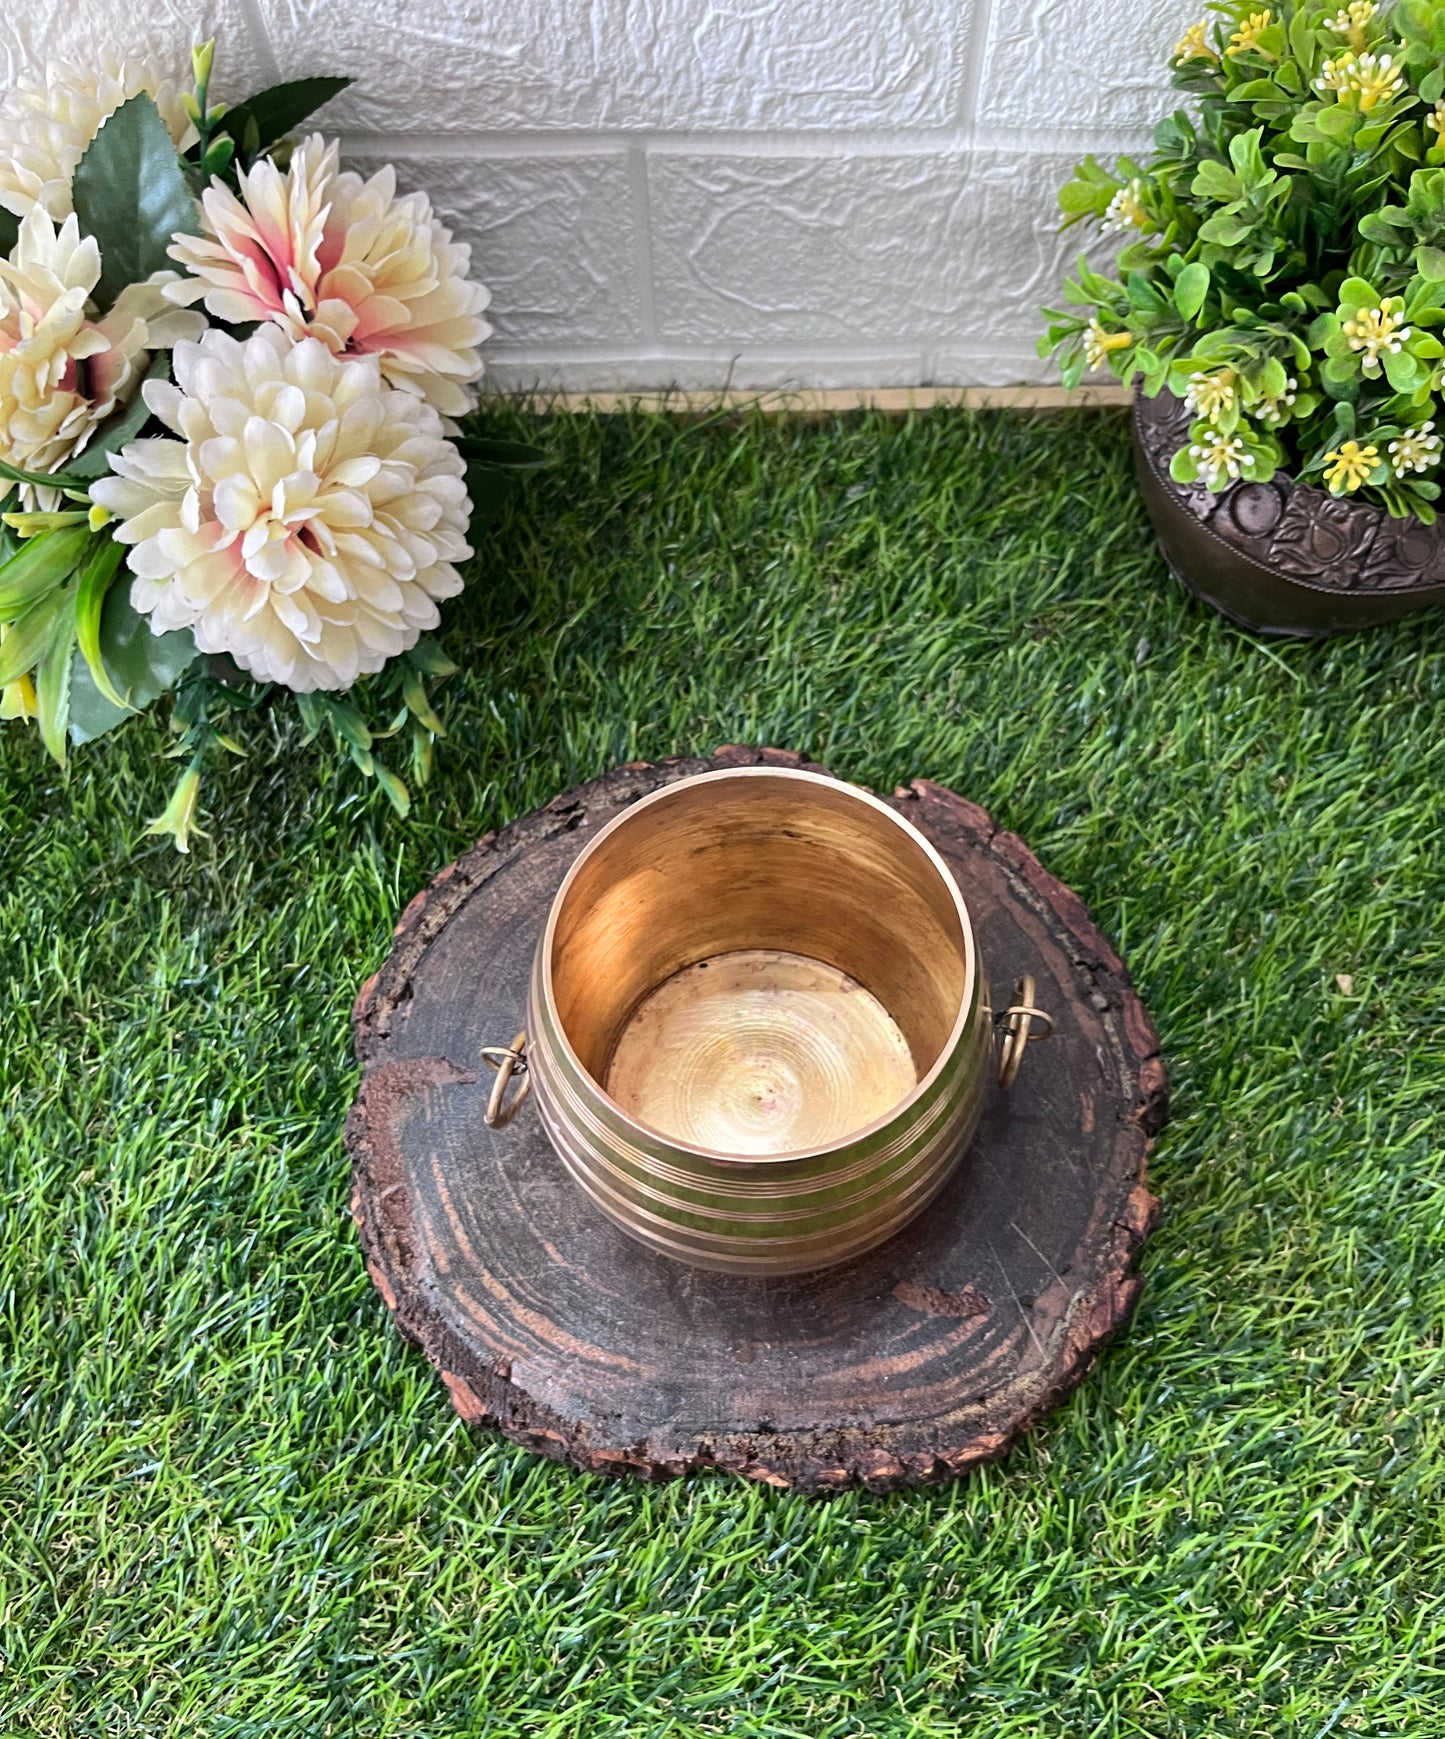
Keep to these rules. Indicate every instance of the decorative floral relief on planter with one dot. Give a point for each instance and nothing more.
(1295, 528)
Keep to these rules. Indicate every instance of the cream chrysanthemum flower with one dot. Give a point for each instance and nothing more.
(45, 126)
(327, 255)
(63, 370)
(306, 522)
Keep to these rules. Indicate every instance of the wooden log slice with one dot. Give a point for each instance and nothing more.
(912, 1364)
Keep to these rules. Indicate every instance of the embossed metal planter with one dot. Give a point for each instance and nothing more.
(758, 1028)
(1282, 557)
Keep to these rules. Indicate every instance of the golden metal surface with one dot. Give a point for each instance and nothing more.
(757, 858)
(760, 1052)
(748, 861)
(1018, 1030)
(507, 1060)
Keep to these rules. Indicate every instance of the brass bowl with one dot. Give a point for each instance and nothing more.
(758, 1027)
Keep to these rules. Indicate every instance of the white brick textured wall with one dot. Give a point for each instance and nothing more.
(776, 193)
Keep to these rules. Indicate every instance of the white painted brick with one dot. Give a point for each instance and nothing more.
(1075, 63)
(861, 256)
(461, 65)
(552, 238)
(991, 367)
(753, 370)
(946, 247)
(80, 31)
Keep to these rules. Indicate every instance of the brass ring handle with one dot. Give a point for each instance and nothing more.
(507, 1060)
(1019, 1030)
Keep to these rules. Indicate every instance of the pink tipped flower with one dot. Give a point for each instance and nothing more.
(64, 368)
(46, 125)
(326, 255)
(306, 519)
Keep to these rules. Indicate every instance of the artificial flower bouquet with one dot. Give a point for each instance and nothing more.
(231, 367)
(1283, 266)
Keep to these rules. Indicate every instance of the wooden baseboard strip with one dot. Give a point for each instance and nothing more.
(897, 401)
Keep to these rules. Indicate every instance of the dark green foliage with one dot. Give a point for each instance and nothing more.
(1281, 250)
(141, 666)
(131, 195)
(268, 116)
(235, 1505)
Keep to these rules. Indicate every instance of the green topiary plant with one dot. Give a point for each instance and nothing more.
(1283, 271)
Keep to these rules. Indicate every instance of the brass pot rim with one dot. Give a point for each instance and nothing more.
(798, 776)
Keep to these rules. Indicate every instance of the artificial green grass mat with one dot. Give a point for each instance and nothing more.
(235, 1504)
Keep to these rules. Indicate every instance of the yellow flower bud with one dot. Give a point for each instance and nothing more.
(201, 57)
(17, 699)
(33, 524)
(179, 816)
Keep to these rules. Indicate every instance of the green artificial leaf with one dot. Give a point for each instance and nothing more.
(141, 665)
(1248, 159)
(218, 157)
(52, 680)
(1078, 199)
(1190, 289)
(421, 708)
(40, 564)
(275, 111)
(1430, 263)
(1225, 230)
(1301, 37)
(41, 479)
(1334, 121)
(1404, 371)
(349, 726)
(1321, 329)
(490, 489)
(130, 194)
(1183, 468)
(394, 788)
(423, 753)
(90, 592)
(428, 657)
(1387, 227)
(95, 460)
(27, 640)
(312, 715)
(1213, 181)
(1356, 293)
(510, 455)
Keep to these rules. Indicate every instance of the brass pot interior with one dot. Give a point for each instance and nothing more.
(837, 958)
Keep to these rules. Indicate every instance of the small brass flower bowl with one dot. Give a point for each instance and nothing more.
(758, 1027)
